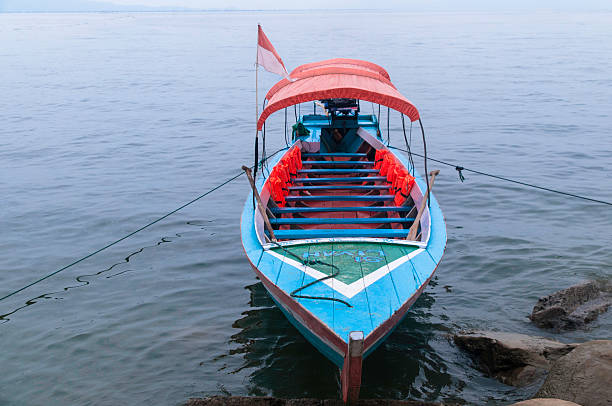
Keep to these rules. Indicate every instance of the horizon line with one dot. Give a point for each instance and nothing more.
(192, 10)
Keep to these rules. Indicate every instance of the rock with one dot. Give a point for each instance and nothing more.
(514, 359)
(574, 307)
(269, 401)
(235, 401)
(583, 376)
(545, 402)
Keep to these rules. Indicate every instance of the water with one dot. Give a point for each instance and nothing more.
(110, 120)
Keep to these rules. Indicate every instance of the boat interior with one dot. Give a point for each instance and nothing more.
(339, 180)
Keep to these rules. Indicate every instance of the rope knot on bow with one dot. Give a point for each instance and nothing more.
(459, 169)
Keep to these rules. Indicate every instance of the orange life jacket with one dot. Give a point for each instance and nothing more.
(297, 153)
(386, 164)
(401, 173)
(291, 165)
(406, 186)
(394, 170)
(378, 157)
(282, 170)
(276, 186)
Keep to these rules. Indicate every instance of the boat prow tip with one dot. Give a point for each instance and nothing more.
(351, 371)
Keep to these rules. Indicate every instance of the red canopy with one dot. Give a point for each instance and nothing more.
(337, 78)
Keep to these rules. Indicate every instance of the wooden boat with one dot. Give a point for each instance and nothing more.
(345, 239)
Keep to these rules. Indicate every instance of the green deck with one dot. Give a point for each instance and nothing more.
(355, 260)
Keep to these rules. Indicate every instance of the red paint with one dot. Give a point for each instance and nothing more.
(351, 371)
(355, 63)
(392, 321)
(303, 316)
(332, 80)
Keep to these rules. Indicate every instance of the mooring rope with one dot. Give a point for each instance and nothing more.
(308, 261)
(219, 186)
(460, 169)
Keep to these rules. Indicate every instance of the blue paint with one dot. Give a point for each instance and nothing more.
(336, 154)
(340, 187)
(363, 220)
(341, 232)
(340, 209)
(347, 179)
(374, 256)
(319, 344)
(437, 239)
(339, 170)
(372, 305)
(332, 163)
(347, 198)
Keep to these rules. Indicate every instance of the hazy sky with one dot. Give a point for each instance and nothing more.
(416, 5)
(381, 4)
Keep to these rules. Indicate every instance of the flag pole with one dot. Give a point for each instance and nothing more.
(256, 93)
(256, 74)
(256, 103)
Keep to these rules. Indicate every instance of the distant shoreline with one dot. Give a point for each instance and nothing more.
(416, 11)
(189, 11)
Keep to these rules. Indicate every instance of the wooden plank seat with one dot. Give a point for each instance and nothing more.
(347, 179)
(294, 210)
(339, 163)
(336, 198)
(335, 154)
(336, 170)
(339, 187)
(319, 220)
(340, 232)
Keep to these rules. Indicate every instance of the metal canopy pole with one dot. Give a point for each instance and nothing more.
(425, 157)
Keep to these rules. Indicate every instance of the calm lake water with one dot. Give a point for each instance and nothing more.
(111, 120)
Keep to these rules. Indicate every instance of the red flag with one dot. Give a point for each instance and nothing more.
(267, 57)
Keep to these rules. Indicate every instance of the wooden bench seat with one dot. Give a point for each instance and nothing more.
(339, 187)
(373, 209)
(339, 163)
(340, 198)
(335, 154)
(336, 170)
(347, 179)
(319, 220)
(338, 233)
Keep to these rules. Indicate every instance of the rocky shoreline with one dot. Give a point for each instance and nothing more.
(580, 373)
(566, 374)
(574, 307)
(575, 372)
(269, 401)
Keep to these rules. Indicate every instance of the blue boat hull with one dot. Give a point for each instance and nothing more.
(375, 310)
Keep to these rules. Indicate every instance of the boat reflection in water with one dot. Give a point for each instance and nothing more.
(284, 364)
